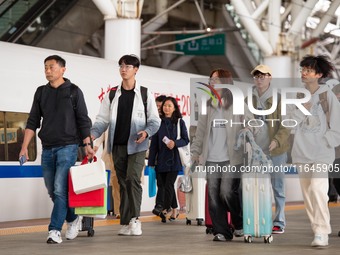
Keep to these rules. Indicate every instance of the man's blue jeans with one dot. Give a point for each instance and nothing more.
(56, 163)
(278, 185)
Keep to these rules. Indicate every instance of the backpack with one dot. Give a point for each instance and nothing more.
(324, 105)
(144, 93)
(323, 102)
(323, 98)
(73, 94)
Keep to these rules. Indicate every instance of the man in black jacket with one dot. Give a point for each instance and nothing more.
(64, 122)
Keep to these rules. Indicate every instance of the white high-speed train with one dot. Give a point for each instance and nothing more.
(22, 191)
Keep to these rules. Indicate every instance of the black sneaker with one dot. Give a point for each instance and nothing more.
(157, 211)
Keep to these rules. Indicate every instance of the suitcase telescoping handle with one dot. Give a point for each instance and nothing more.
(246, 142)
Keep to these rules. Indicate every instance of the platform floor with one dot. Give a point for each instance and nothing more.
(29, 237)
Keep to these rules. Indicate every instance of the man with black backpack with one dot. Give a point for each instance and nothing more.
(130, 113)
(65, 124)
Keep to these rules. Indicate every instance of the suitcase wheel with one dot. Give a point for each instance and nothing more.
(248, 239)
(199, 222)
(209, 230)
(268, 239)
(90, 233)
(188, 222)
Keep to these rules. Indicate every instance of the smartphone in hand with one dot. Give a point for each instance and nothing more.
(138, 136)
(22, 160)
(166, 140)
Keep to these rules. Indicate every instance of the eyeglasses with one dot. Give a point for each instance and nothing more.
(307, 70)
(260, 76)
(126, 67)
(214, 79)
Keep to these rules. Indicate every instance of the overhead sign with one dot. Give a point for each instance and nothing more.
(212, 45)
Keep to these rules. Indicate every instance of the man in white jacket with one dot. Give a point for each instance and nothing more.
(130, 120)
(316, 136)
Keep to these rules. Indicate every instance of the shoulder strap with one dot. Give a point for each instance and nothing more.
(300, 95)
(323, 101)
(144, 92)
(178, 129)
(324, 105)
(74, 95)
(39, 96)
(39, 92)
(112, 93)
(278, 97)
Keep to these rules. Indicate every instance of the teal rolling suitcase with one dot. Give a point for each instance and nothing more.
(257, 206)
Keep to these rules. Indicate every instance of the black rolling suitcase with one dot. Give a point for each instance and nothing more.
(87, 225)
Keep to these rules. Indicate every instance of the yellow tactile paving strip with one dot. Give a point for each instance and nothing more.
(107, 222)
(301, 206)
(43, 228)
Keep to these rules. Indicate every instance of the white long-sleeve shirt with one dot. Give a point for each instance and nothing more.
(314, 141)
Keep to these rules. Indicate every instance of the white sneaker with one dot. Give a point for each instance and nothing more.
(125, 231)
(54, 236)
(135, 227)
(73, 228)
(238, 232)
(320, 240)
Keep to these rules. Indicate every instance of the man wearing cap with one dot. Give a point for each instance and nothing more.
(272, 138)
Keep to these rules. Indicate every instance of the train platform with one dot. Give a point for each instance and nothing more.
(29, 237)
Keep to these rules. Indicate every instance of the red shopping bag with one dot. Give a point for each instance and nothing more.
(91, 198)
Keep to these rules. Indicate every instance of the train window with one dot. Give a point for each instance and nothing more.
(12, 126)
